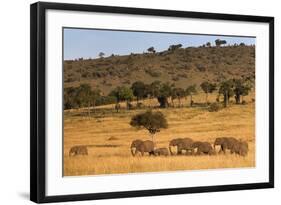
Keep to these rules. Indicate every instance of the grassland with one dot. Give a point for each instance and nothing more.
(108, 136)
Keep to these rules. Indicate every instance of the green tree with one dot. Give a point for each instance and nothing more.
(190, 91)
(122, 93)
(153, 90)
(240, 89)
(139, 90)
(208, 44)
(86, 97)
(178, 93)
(208, 87)
(70, 100)
(165, 92)
(152, 121)
(226, 89)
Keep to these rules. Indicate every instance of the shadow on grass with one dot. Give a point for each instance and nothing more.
(104, 145)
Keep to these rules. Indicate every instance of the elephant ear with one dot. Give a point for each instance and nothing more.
(224, 143)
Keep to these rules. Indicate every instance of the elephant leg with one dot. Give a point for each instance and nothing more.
(220, 149)
(192, 152)
(223, 149)
(179, 151)
(136, 152)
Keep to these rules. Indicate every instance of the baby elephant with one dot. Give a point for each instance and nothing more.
(203, 148)
(161, 152)
(241, 148)
(78, 150)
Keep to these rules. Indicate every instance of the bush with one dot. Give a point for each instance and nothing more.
(140, 105)
(201, 68)
(153, 73)
(214, 107)
(175, 78)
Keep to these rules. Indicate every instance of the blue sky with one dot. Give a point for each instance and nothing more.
(88, 43)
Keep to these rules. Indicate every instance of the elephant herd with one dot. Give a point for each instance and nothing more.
(188, 146)
(185, 146)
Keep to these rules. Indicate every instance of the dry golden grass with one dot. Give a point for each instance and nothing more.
(109, 135)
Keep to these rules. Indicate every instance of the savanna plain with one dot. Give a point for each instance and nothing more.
(108, 136)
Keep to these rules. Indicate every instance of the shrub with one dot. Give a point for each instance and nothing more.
(201, 68)
(214, 107)
(182, 75)
(140, 105)
(153, 73)
(175, 78)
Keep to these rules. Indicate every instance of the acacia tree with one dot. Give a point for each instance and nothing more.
(174, 47)
(152, 121)
(208, 44)
(226, 89)
(101, 54)
(177, 93)
(151, 49)
(240, 89)
(82, 96)
(153, 90)
(191, 90)
(122, 93)
(139, 90)
(86, 97)
(208, 87)
(164, 93)
(219, 42)
(70, 99)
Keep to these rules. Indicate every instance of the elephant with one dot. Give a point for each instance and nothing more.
(225, 143)
(181, 144)
(203, 148)
(78, 150)
(241, 148)
(142, 147)
(161, 151)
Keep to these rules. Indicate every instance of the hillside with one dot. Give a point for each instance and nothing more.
(182, 66)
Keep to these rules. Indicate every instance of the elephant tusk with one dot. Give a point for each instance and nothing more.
(170, 149)
(132, 151)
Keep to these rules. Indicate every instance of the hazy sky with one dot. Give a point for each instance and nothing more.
(88, 43)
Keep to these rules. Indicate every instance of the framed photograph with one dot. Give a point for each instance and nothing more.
(129, 102)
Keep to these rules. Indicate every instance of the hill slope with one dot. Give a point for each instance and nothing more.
(183, 66)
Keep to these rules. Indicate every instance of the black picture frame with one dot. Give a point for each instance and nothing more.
(38, 101)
